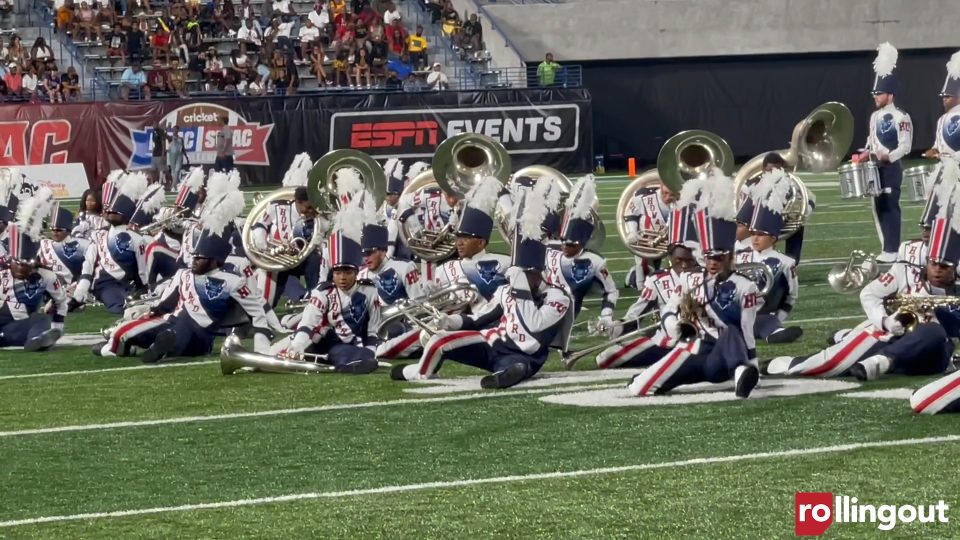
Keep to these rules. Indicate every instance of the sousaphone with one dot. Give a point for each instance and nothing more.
(322, 192)
(459, 163)
(686, 155)
(818, 144)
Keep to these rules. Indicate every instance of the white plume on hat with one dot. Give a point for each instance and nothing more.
(773, 190)
(32, 212)
(717, 196)
(582, 197)
(296, 175)
(133, 186)
(115, 175)
(948, 171)
(554, 194)
(195, 179)
(535, 210)
(369, 214)
(416, 169)
(223, 213)
(219, 186)
(953, 66)
(886, 59)
(9, 181)
(484, 194)
(690, 191)
(153, 199)
(390, 168)
(347, 221)
(348, 182)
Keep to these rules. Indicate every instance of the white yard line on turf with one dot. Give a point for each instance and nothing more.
(106, 370)
(284, 412)
(493, 480)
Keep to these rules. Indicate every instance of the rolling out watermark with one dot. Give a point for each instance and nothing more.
(815, 512)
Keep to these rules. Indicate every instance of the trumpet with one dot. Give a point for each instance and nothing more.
(910, 310)
(165, 223)
(452, 298)
(569, 358)
(849, 277)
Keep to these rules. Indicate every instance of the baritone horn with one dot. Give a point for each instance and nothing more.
(570, 358)
(234, 357)
(453, 298)
(852, 276)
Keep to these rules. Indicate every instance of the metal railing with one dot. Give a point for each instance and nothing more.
(481, 77)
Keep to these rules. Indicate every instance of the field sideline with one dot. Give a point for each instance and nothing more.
(98, 447)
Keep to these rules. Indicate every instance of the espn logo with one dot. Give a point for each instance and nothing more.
(815, 512)
(393, 134)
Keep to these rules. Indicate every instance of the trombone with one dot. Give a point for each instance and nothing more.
(569, 358)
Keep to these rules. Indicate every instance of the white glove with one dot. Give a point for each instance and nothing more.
(893, 326)
(260, 238)
(80, 292)
(274, 323)
(633, 237)
(450, 322)
(672, 327)
(782, 315)
(605, 324)
(261, 343)
(136, 312)
(299, 343)
(513, 274)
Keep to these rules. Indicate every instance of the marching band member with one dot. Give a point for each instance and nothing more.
(199, 303)
(769, 200)
(484, 270)
(395, 280)
(114, 262)
(890, 138)
(343, 315)
(62, 253)
(529, 315)
(396, 182)
(718, 306)
(25, 286)
(946, 174)
(429, 209)
(882, 344)
(572, 267)
(90, 217)
(657, 292)
(165, 253)
(649, 210)
(940, 396)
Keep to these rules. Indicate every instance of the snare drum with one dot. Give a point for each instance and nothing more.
(918, 177)
(859, 180)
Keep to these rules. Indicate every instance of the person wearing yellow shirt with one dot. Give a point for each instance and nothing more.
(417, 48)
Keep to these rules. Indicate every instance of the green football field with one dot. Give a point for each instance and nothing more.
(106, 448)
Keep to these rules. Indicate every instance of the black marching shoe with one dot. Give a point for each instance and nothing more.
(359, 367)
(786, 335)
(747, 378)
(44, 341)
(505, 378)
(163, 345)
(98, 348)
(396, 372)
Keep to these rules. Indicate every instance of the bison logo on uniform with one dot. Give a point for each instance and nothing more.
(389, 283)
(213, 288)
(488, 270)
(581, 269)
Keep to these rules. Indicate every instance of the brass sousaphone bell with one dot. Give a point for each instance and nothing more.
(459, 163)
(818, 144)
(322, 192)
(686, 155)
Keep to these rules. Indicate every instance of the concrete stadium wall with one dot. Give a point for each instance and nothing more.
(500, 44)
(621, 29)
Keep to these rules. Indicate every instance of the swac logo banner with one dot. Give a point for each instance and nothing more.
(199, 124)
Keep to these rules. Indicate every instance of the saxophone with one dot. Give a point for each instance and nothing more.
(910, 309)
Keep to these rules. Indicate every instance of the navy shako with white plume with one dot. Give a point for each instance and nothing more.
(529, 251)
(771, 196)
(344, 244)
(129, 191)
(393, 168)
(375, 233)
(148, 205)
(298, 173)
(577, 222)
(10, 181)
(680, 227)
(219, 227)
(60, 217)
(951, 86)
(189, 192)
(481, 200)
(715, 215)
(25, 233)
(884, 81)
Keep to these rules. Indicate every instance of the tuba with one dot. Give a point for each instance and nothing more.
(322, 192)
(684, 156)
(458, 164)
(850, 277)
(818, 144)
(758, 273)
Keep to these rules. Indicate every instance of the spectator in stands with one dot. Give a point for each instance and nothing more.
(451, 19)
(30, 83)
(397, 37)
(471, 35)
(435, 7)
(547, 71)
(158, 79)
(357, 6)
(178, 44)
(293, 75)
(318, 58)
(6, 8)
(18, 53)
(86, 22)
(136, 40)
(255, 86)
(399, 70)
(309, 38)
(341, 66)
(133, 78)
(213, 69)
(178, 78)
(437, 79)
(178, 11)
(64, 11)
(320, 17)
(278, 72)
(250, 36)
(193, 7)
(362, 35)
(4, 52)
(392, 13)
(338, 9)
(160, 44)
(116, 45)
(367, 16)
(41, 53)
(375, 30)
(52, 85)
(193, 35)
(71, 85)
(224, 160)
(106, 15)
(247, 11)
(378, 59)
(417, 48)
(227, 17)
(361, 69)
(14, 80)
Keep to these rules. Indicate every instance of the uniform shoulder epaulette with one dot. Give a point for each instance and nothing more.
(325, 285)
(366, 282)
(649, 190)
(662, 272)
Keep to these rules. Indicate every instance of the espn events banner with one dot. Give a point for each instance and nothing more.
(537, 127)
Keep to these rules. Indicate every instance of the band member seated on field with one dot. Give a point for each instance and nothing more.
(657, 292)
(882, 344)
(199, 304)
(769, 199)
(26, 286)
(114, 264)
(649, 210)
(572, 267)
(62, 253)
(390, 212)
(529, 315)
(343, 315)
(712, 317)
(165, 251)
